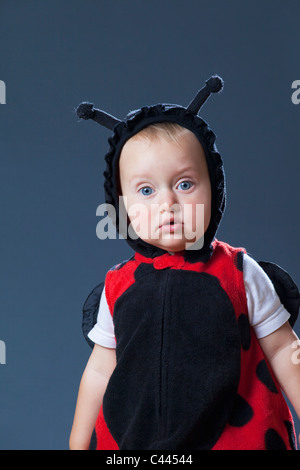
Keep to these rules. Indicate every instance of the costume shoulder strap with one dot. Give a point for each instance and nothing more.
(91, 305)
(118, 280)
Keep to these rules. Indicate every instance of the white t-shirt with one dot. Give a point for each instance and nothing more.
(265, 311)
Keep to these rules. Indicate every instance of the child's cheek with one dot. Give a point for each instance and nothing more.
(194, 220)
(140, 220)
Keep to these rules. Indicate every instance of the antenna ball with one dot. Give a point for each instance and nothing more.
(215, 84)
(85, 110)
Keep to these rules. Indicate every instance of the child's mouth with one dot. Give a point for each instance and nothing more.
(171, 226)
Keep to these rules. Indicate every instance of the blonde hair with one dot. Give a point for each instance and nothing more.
(168, 131)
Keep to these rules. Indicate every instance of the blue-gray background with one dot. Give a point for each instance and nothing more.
(121, 55)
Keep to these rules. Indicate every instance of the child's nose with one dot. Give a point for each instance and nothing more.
(167, 199)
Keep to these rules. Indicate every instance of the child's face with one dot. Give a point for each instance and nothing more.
(163, 183)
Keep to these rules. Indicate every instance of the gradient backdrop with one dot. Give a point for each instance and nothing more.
(121, 55)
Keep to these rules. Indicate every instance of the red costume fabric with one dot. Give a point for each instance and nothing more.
(228, 399)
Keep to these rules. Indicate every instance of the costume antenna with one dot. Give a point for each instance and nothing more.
(213, 85)
(87, 111)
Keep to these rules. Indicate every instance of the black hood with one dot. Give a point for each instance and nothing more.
(138, 120)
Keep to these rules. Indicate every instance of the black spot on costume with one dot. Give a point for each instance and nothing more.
(190, 372)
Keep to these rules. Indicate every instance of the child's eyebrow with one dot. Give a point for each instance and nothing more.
(142, 176)
(180, 171)
(187, 169)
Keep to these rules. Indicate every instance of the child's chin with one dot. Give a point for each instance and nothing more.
(172, 245)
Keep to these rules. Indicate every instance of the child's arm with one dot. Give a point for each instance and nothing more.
(282, 351)
(92, 387)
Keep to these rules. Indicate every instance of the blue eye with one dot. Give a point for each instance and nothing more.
(185, 185)
(146, 191)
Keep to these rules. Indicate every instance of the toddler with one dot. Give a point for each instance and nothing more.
(191, 342)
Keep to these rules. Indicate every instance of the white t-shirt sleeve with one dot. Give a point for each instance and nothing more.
(103, 331)
(266, 313)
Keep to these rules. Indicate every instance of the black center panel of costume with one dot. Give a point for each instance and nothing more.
(175, 380)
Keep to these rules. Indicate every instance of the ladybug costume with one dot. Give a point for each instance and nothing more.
(190, 372)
